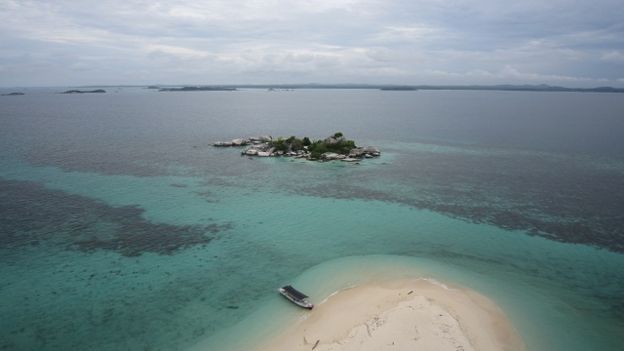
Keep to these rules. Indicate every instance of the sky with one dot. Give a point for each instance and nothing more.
(572, 43)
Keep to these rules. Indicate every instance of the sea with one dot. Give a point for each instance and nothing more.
(123, 228)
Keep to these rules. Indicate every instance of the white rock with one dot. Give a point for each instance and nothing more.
(239, 142)
(330, 156)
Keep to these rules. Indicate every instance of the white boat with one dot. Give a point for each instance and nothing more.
(295, 296)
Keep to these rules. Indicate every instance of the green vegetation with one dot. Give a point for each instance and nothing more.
(290, 144)
(336, 143)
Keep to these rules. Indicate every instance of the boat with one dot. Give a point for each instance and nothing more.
(295, 296)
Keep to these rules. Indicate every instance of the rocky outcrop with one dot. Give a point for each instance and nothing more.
(330, 156)
(233, 142)
(256, 140)
(260, 139)
(370, 151)
(335, 147)
(239, 142)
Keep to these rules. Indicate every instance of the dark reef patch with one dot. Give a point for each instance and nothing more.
(559, 198)
(31, 214)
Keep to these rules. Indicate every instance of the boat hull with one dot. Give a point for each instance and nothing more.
(301, 303)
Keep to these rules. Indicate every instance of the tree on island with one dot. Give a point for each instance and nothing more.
(286, 145)
(336, 144)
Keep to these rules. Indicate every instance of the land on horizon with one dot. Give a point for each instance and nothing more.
(385, 87)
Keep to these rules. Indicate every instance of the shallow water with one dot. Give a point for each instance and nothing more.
(123, 229)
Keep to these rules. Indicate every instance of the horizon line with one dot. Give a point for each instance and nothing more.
(502, 86)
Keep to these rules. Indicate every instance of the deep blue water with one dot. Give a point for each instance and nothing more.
(122, 228)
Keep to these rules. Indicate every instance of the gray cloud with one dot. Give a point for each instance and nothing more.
(413, 42)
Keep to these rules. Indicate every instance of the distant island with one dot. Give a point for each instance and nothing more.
(386, 87)
(14, 94)
(405, 87)
(391, 87)
(335, 147)
(75, 91)
(199, 88)
(279, 89)
(399, 88)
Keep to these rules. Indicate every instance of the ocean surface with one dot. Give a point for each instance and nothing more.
(121, 228)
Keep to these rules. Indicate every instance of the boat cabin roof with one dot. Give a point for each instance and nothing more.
(294, 292)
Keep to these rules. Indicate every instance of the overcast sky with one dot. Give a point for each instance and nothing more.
(74, 42)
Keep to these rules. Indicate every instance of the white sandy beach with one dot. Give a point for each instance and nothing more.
(414, 314)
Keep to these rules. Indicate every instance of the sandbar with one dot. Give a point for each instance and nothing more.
(408, 314)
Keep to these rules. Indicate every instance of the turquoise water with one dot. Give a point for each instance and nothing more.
(123, 229)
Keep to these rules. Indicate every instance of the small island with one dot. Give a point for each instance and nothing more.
(335, 147)
(399, 88)
(14, 94)
(75, 91)
(201, 88)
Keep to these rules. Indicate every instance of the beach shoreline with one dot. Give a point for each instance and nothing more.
(405, 314)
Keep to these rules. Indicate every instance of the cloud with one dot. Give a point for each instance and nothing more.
(419, 41)
(176, 51)
(512, 73)
(406, 34)
(613, 56)
(509, 74)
